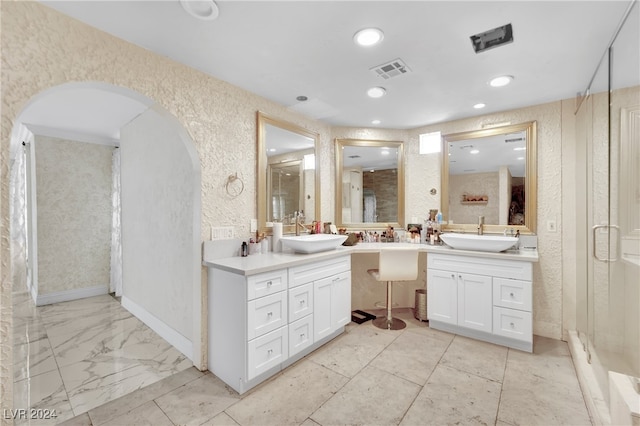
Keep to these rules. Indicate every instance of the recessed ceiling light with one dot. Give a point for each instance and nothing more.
(376, 122)
(479, 106)
(376, 92)
(384, 152)
(503, 80)
(372, 170)
(520, 158)
(474, 151)
(368, 37)
(205, 10)
(272, 150)
(520, 148)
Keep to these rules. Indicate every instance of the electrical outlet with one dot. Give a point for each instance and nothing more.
(221, 232)
(254, 225)
(551, 226)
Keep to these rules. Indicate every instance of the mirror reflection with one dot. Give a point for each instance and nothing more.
(370, 183)
(491, 173)
(286, 173)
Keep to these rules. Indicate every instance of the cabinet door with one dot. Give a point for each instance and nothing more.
(442, 296)
(341, 300)
(322, 308)
(475, 302)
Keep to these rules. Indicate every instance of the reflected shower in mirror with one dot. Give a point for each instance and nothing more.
(286, 174)
(369, 183)
(491, 173)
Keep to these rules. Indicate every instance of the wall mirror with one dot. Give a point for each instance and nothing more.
(286, 173)
(369, 183)
(491, 173)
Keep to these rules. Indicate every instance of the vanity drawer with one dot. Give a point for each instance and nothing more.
(300, 301)
(513, 294)
(266, 314)
(300, 334)
(267, 283)
(267, 351)
(512, 323)
(303, 274)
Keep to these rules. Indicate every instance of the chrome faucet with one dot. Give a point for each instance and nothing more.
(480, 224)
(298, 225)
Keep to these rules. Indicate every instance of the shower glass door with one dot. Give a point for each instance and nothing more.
(613, 211)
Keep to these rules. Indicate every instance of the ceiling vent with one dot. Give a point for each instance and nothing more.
(492, 38)
(391, 69)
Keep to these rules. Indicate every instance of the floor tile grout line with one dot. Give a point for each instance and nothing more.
(160, 408)
(504, 374)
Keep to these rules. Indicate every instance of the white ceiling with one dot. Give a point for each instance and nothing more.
(284, 49)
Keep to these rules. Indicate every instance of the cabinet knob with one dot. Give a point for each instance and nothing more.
(302, 302)
(269, 352)
(511, 294)
(302, 336)
(512, 325)
(269, 283)
(460, 276)
(453, 276)
(269, 314)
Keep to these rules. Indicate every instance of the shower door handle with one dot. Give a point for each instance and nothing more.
(595, 255)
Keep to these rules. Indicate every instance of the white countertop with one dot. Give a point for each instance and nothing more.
(258, 263)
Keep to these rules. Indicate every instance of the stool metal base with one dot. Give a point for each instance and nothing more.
(389, 324)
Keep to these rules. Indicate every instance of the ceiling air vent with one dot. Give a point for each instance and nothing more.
(492, 38)
(391, 69)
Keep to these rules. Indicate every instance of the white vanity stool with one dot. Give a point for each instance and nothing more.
(394, 264)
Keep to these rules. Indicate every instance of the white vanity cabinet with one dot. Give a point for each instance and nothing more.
(331, 282)
(263, 322)
(484, 298)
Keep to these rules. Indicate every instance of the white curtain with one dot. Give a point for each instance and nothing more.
(370, 206)
(115, 285)
(18, 226)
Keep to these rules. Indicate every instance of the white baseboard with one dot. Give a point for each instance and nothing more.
(67, 295)
(176, 339)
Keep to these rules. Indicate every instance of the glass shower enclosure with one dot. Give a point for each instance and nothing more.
(608, 296)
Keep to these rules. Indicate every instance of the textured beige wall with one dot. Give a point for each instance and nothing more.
(73, 186)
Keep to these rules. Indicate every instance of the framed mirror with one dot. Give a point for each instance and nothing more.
(286, 173)
(369, 183)
(490, 173)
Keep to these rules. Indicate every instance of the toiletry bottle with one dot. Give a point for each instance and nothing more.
(245, 249)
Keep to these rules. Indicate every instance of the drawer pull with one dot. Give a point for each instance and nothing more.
(302, 336)
(269, 352)
(336, 279)
(269, 283)
(269, 314)
(512, 325)
(302, 302)
(453, 276)
(511, 294)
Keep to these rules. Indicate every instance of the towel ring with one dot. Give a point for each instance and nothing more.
(234, 185)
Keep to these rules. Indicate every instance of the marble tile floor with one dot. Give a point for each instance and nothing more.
(74, 356)
(368, 376)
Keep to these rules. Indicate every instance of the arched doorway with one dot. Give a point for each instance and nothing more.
(162, 282)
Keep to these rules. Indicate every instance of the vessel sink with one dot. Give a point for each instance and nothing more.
(492, 243)
(313, 243)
